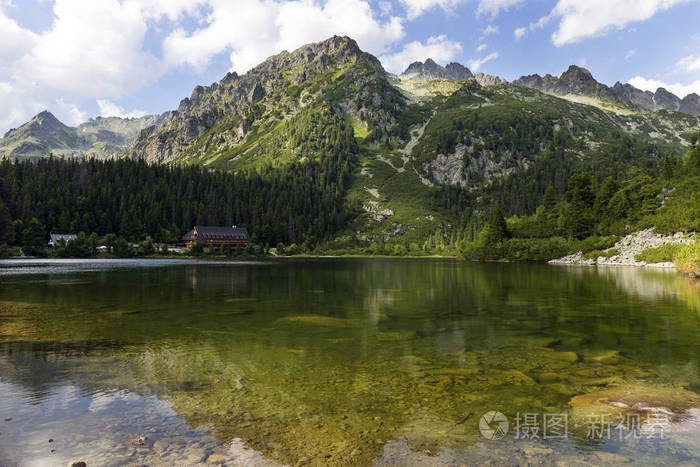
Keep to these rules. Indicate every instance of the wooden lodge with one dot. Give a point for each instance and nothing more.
(57, 240)
(217, 236)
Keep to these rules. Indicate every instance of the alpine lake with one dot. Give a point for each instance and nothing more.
(346, 362)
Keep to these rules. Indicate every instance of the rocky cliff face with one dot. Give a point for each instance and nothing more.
(274, 90)
(100, 137)
(427, 70)
(579, 81)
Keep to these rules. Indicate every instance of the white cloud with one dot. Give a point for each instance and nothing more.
(68, 112)
(252, 30)
(490, 29)
(681, 90)
(385, 8)
(689, 63)
(476, 64)
(494, 7)
(580, 19)
(481, 48)
(439, 48)
(110, 109)
(93, 48)
(14, 40)
(520, 32)
(630, 53)
(415, 8)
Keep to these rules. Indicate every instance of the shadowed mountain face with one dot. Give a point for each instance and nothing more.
(101, 137)
(579, 81)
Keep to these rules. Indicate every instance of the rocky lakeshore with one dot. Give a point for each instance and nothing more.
(625, 250)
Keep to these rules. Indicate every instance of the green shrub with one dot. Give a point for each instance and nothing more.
(687, 257)
(662, 254)
(594, 243)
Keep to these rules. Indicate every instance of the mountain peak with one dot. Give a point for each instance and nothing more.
(431, 70)
(577, 76)
(46, 118)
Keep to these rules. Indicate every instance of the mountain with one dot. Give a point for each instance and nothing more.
(240, 113)
(101, 137)
(579, 81)
(426, 150)
(430, 70)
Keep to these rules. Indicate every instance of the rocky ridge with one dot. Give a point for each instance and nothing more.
(579, 81)
(430, 70)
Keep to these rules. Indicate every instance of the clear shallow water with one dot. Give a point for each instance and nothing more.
(341, 361)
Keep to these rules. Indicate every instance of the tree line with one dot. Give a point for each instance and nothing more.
(300, 202)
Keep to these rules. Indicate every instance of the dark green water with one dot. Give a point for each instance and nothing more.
(343, 362)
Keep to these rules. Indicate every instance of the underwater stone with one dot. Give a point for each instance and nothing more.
(570, 357)
(605, 356)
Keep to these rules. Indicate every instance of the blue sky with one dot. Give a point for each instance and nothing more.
(84, 58)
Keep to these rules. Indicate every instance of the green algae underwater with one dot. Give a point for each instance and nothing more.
(349, 362)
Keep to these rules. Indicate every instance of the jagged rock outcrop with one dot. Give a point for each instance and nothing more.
(233, 102)
(427, 70)
(101, 137)
(659, 100)
(489, 80)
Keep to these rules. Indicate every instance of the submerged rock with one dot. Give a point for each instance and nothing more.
(604, 356)
(642, 398)
(570, 357)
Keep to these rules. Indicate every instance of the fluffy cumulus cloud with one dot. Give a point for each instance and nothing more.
(110, 109)
(92, 48)
(477, 63)
(580, 19)
(251, 30)
(681, 90)
(439, 48)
